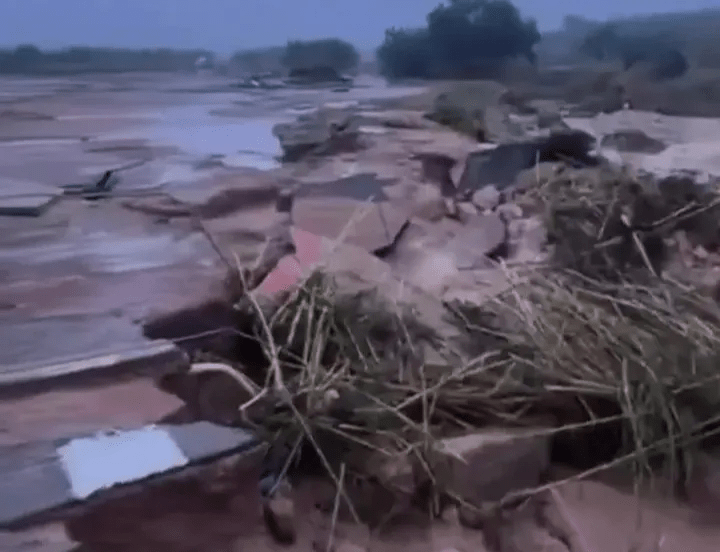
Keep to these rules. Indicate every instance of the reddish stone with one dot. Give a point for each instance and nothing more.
(309, 249)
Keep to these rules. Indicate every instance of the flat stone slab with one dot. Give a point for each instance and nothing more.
(25, 205)
(145, 358)
(25, 198)
(42, 478)
(364, 224)
(19, 187)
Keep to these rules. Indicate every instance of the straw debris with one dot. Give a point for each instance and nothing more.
(619, 368)
(558, 345)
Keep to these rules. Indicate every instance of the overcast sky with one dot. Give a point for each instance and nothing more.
(229, 25)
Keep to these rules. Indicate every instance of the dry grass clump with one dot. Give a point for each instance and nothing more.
(608, 225)
(651, 352)
(349, 375)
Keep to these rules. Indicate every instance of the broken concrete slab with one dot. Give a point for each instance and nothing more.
(40, 479)
(397, 118)
(25, 198)
(476, 239)
(361, 186)
(149, 358)
(500, 166)
(486, 198)
(436, 168)
(16, 187)
(367, 225)
(26, 205)
(486, 466)
(322, 133)
(309, 251)
(430, 254)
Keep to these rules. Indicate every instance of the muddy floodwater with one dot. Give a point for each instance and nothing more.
(183, 137)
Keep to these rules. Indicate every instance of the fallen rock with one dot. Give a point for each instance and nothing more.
(476, 239)
(367, 225)
(279, 516)
(501, 165)
(486, 198)
(325, 132)
(499, 127)
(430, 256)
(429, 207)
(436, 168)
(402, 119)
(220, 204)
(528, 238)
(486, 466)
(509, 211)
(466, 209)
(632, 141)
(357, 271)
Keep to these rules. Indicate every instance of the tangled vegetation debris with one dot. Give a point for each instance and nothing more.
(614, 363)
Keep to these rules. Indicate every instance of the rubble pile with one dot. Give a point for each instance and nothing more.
(364, 372)
(526, 319)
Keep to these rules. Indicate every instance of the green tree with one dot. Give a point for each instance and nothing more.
(661, 50)
(462, 38)
(329, 52)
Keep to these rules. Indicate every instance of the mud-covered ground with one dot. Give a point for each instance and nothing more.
(190, 138)
(79, 278)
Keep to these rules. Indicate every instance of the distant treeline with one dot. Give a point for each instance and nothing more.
(331, 53)
(658, 38)
(30, 60)
(462, 39)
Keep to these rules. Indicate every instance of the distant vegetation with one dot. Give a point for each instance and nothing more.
(660, 52)
(690, 34)
(462, 39)
(259, 60)
(332, 53)
(30, 60)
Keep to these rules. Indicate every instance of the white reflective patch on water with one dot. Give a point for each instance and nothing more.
(103, 461)
(197, 132)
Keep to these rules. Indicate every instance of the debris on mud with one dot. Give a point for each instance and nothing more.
(325, 132)
(604, 222)
(103, 187)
